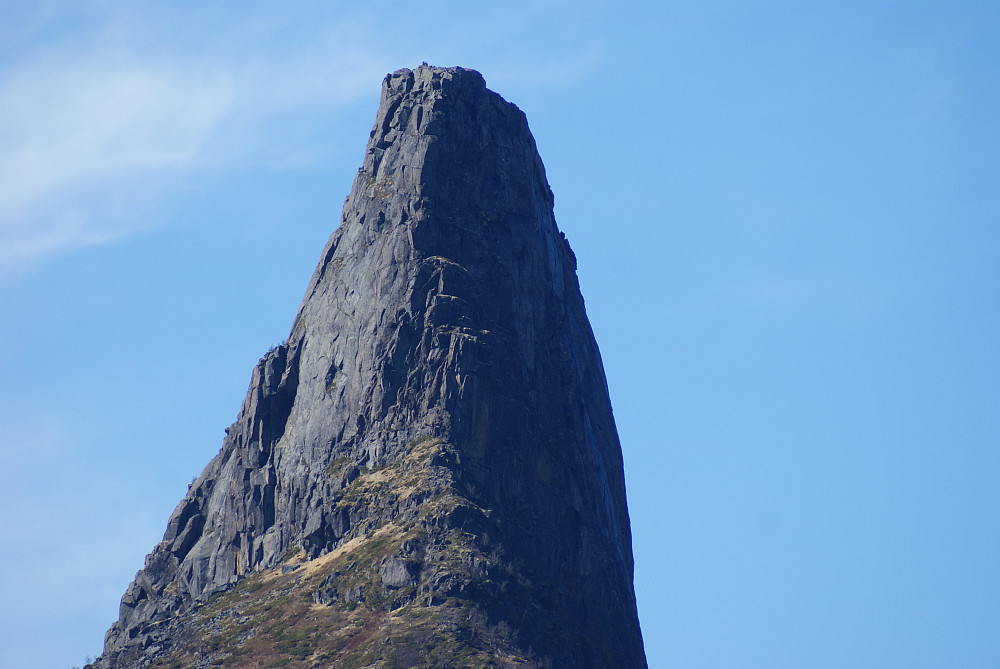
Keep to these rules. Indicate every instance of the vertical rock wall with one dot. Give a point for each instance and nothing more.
(445, 310)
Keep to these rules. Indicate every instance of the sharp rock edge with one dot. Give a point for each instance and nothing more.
(427, 472)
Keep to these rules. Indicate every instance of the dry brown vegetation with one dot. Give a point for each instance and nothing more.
(275, 619)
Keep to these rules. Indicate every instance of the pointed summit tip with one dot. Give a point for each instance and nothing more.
(427, 471)
(431, 80)
(434, 73)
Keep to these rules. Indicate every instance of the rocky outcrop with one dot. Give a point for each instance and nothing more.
(430, 459)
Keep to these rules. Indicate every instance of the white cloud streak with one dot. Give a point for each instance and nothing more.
(99, 123)
(84, 127)
(68, 128)
(72, 125)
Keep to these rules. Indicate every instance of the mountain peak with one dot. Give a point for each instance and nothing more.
(427, 471)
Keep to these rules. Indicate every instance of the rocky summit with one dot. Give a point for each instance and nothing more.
(427, 472)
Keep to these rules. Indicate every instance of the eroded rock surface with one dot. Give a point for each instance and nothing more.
(427, 472)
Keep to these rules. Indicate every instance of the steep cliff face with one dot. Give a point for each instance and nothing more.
(427, 472)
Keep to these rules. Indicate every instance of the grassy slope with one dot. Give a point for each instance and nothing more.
(273, 618)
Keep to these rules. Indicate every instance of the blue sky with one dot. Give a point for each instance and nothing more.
(787, 220)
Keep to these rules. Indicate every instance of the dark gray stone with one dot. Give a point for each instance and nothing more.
(444, 307)
(397, 573)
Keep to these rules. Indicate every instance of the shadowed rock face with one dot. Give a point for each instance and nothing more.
(427, 473)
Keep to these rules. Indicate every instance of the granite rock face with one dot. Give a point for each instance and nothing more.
(430, 460)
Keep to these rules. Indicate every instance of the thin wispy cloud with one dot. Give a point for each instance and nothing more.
(82, 128)
(100, 125)
(69, 124)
